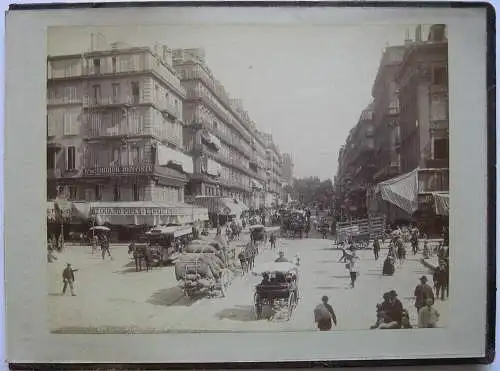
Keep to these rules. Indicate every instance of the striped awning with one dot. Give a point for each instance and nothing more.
(167, 155)
(401, 191)
(59, 208)
(256, 184)
(442, 203)
(220, 205)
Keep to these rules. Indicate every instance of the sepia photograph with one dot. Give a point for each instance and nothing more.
(287, 176)
(195, 185)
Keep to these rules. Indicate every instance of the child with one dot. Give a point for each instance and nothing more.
(272, 239)
(428, 316)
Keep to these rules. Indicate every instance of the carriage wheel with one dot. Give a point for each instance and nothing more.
(257, 307)
(291, 305)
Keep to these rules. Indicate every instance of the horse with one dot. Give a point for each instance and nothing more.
(140, 254)
(247, 257)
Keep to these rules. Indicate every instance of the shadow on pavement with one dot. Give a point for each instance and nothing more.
(242, 313)
(173, 296)
(342, 277)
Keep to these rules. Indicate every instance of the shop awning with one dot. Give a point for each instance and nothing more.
(213, 168)
(221, 205)
(235, 207)
(167, 155)
(256, 184)
(145, 213)
(401, 191)
(211, 139)
(442, 203)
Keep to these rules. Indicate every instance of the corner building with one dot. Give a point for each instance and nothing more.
(229, 154)
(114, 127)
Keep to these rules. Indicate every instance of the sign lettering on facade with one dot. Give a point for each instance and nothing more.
(118, 170)
(129, 211)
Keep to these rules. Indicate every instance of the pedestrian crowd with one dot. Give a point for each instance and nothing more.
(390, 313)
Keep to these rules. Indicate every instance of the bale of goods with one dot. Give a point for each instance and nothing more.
(206, 265)
(199, 249)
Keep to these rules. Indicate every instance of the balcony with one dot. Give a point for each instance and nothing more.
(97, 102)
(145, 65)
(64, 100)
(131, 128)
(53, 173)
(198, 93)
(216, 90)
(144, 169)
(133, 100)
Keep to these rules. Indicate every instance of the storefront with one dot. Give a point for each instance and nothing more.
(220, 207)
(422, 194)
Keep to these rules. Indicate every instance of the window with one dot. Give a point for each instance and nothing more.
(136, 190)
(135, 155)
(116, 157)
(113, 63)
(97, 66)
(116, 193)
(69, 94)
(70, 158)
(73, 192)
(51, 159)
(440, 75)
(96, 89)
(153, 155)
(135, 92)
(116, 92)
(215, 125)
(441, 149)
(70, 123)
(98, 192)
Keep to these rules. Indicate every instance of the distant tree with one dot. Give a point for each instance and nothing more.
(312, 190)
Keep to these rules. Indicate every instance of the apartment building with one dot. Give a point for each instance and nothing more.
(115, 126)
(229, 155)
(273, 185)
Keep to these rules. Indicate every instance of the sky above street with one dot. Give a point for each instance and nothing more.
(307, 85)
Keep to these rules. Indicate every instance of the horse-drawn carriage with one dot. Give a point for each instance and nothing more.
(278, 290)
(258, 233)
(159, 246)
(294, 223)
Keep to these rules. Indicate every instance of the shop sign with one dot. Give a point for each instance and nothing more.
(130, 211)
(118, 170)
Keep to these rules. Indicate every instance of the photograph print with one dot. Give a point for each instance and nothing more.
(232, 178)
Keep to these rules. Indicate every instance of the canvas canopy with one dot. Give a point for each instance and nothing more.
(442, 203)
(401, 191)
(221, 205)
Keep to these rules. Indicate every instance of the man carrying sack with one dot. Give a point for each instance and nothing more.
(324, 315)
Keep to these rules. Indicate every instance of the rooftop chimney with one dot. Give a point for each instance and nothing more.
(408, 41)
(418, 33)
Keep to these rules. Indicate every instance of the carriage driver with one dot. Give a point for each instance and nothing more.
(281, 258)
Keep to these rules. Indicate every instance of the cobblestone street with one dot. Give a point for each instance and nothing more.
(113, 297)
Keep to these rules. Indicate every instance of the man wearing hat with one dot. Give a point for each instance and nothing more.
(423, 292)
(68, 276)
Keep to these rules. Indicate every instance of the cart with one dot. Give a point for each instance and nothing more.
(278, 290)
